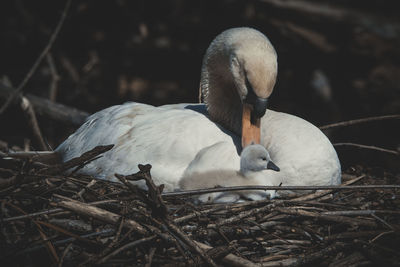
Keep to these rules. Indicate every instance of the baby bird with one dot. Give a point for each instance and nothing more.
(254, 159)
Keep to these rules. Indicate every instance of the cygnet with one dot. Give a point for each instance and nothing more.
(254, 160)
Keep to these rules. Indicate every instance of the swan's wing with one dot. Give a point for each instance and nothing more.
(167, 138)
(218, 156)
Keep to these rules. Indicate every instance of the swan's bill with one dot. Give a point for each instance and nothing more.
(250, 127)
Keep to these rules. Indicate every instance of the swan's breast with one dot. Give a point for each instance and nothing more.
(304, 154)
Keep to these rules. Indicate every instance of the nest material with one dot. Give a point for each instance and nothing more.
(51, 218)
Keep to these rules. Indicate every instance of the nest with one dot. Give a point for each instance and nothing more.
(50, 218)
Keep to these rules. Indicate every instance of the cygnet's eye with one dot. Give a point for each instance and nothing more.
(234, 60)
(264, 158)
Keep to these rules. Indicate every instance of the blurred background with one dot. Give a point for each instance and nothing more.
(338, 60)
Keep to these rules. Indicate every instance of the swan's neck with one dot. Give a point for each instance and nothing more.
(220, 96)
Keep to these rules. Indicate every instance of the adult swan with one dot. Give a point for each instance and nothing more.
(237, 77)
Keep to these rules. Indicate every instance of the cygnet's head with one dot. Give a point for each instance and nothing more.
(256, 158)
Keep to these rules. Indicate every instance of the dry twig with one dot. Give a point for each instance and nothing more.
(100, 214)
(39, 59)
(375, 148)
(358, 121)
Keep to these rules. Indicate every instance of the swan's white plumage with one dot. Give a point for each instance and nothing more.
(304, 154)
(169, 137)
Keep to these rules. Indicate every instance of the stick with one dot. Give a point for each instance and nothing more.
(243, 215)
(125, 247)
(325, 192)
(100, 214)
(359, 212)
(50, 247)
(47, 108)
(393, 152)
(68, 240)
(54, 77)
(230, 259)
(66, 250)
(352, 235)
(261, 187)
(83, 190)
(51, 211)
(198, 213)
(338, 219)
(358, 121)
(305, 259)
(31, 116)
(154, 198)
(59, 112)
(31, 215)
(310, 10)
(39, 59)
(84, 158)
(150, 257)
(189, 242)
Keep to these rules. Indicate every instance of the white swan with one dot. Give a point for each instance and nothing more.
(238, 75)
(253, 160)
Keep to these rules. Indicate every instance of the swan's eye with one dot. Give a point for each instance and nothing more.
(264, 159)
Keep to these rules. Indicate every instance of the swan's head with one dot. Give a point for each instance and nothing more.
(238, 76)
(253, 65)
(255, 158)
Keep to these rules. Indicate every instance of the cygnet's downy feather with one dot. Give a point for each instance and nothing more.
(253, 160)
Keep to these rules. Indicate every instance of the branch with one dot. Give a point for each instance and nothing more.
(78, 161)
(39, 59)
(230, 259)
(58, 112)
(100, 214)
(380, 26)
(375, 148)
(48, 244)
(189, 242)
(331, 218)
(158, 207)
(47, 108)
(125, 247)
(54, 77)
(325, 192)
(292, 188)
(358, 121)
(31, 116)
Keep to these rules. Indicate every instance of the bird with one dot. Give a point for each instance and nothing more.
(238, 76)
(254, 159)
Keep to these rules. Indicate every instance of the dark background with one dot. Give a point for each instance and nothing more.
(337, 60)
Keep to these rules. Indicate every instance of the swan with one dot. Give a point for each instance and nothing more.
(238, 75)
(253, 160)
